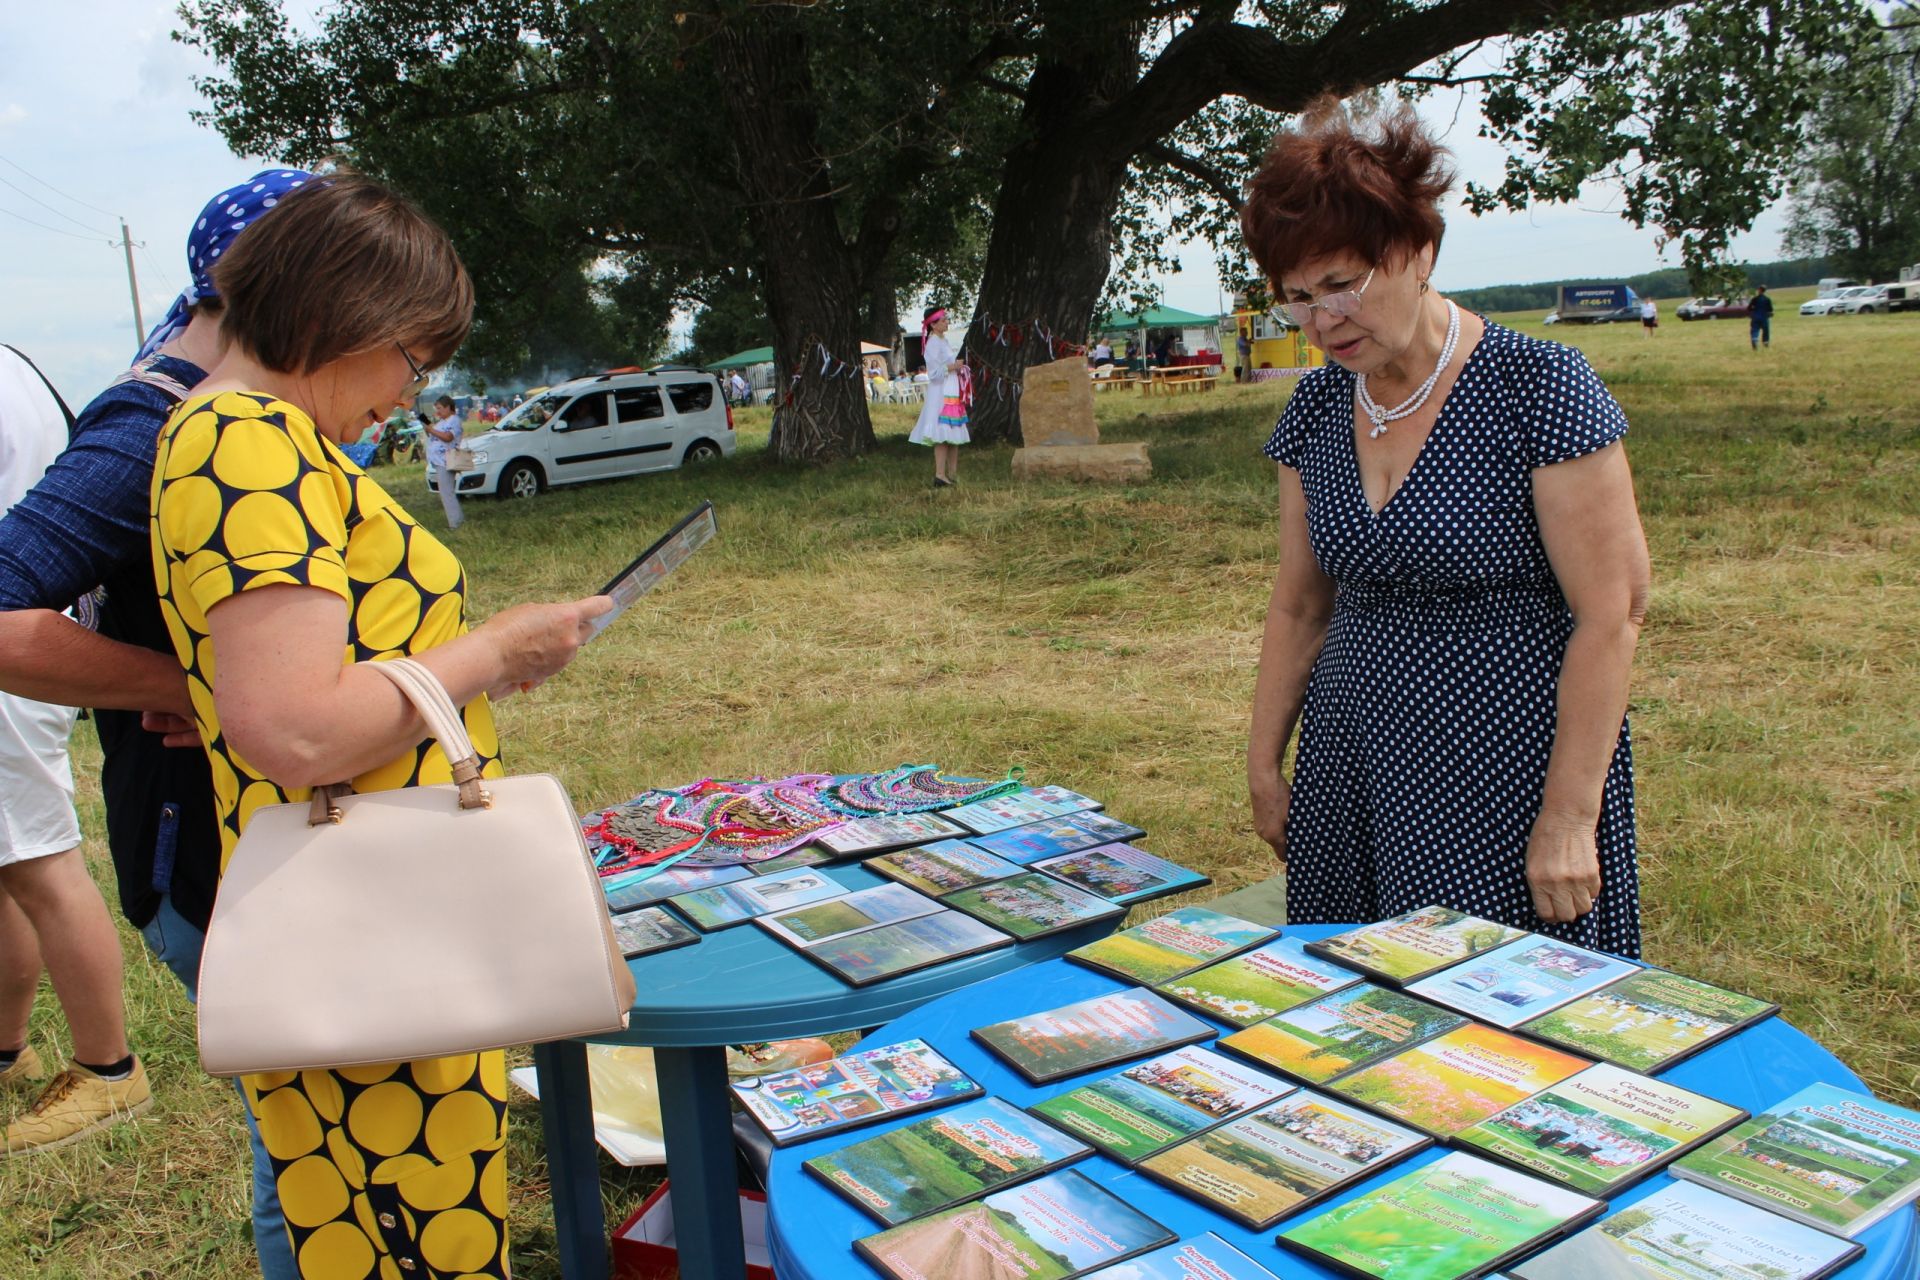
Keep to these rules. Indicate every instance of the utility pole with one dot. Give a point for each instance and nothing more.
(133, 285)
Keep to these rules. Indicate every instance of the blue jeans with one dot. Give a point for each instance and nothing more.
(177, 945)
(1760, 330)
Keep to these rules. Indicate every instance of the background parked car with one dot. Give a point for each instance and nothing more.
(1832, 304)
(1712, 309)
(613, 424)
(1862, 301)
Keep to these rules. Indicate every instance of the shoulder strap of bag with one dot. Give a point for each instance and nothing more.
(423, 689)
(48, 384)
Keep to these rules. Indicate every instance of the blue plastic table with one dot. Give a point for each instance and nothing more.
(738, 986)
(811, 1230)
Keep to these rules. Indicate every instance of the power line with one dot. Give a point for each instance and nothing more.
(59, 231)
(57, 212)
(153, 265)
(57, 191)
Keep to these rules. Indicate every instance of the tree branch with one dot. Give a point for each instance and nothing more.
(1211, 59)
(1216, 180)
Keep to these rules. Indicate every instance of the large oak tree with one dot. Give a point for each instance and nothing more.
(853, 142)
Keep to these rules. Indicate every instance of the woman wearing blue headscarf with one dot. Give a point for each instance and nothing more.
(84, 529)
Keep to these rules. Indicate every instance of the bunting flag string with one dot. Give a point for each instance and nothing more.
(831, 366)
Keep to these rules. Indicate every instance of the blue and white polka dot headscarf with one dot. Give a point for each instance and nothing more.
(226, 216)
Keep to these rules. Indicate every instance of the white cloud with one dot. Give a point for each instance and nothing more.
(10, 115)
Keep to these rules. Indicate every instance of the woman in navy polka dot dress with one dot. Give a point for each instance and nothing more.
(1462, 574)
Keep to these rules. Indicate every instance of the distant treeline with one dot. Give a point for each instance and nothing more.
(1671, 283)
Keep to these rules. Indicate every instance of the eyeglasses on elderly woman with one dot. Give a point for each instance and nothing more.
(1339, 305)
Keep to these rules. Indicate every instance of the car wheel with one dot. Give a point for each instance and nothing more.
(521, 480)
(700, 451)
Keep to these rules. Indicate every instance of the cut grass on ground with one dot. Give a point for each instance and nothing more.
(854, 618)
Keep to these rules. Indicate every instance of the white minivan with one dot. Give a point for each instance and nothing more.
(596, 428)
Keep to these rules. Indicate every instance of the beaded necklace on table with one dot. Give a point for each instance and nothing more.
(1411, 405)
(912, 788)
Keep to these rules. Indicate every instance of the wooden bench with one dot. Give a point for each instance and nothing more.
(1168, 381)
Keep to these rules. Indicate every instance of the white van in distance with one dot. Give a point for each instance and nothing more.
(600, 427)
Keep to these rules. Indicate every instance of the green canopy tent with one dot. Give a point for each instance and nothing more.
(1136, 323)
(741, 359)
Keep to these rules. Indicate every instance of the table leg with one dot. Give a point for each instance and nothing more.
(573, 1167)
(698, 1126)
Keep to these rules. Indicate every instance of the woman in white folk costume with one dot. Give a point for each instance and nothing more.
(943, 418)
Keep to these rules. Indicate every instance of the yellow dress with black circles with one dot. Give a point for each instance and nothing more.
(387, 1171)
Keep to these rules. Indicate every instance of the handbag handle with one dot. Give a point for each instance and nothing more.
(430, 698)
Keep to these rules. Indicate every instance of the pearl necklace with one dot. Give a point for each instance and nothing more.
(1406, 408)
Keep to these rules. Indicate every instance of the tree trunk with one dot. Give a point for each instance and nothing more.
(812, 274)
(1052, 243)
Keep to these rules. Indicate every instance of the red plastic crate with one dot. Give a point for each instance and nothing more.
(643, 1247)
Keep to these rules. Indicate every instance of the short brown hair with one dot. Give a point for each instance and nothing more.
(341, 266)
(1367, 181)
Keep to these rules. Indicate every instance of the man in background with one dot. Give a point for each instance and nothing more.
(1760, 320)
(52, 916)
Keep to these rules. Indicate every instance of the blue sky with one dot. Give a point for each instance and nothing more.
(95, 100)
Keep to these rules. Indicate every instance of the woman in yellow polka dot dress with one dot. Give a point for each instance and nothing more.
(280, 567)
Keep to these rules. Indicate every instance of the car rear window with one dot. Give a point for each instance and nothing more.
(636, 404)
(690, 397)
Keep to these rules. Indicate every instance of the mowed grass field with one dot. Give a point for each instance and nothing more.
(852, 618)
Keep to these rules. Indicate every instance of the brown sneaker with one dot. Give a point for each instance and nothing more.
(77, 1104)
(27, 1070)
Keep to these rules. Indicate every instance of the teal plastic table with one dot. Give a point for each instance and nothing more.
(811, 1230)
(738, 986)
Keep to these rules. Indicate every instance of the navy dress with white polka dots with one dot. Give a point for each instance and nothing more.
(1429, 715)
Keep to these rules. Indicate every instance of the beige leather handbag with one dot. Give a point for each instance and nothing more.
(406, 924)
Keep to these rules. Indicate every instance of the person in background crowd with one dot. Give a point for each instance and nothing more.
(1453, 638)
(1102, 353)
(1760, 320)
(275, 557)
(85, 525)
(943, 417)
(52, 916)
(445, 434)
(1242, 357)
(1649, 317)
(737, 388)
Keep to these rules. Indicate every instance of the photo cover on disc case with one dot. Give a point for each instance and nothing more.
(1255, 986)
(1687, 1232)
(1033, 905)
(1053, 1228)
(650, 929)
(1318, 1040)
(938, 1162)
(1411, 946)
(1458, 1216)
(887, 831)
(850, 913)
(891, 950)
(942, 867)
(1510, 984)
(853, 1089)
(1033, 804)
(1826, 1157)
(1168, 946)
(1650, 1020)
(1087, 1034)
(1458, 1079)
(1289, 1154)
(1601, 1130)
(1056, 836)
(1122, 873)
(1154, 1104)
(1202, 1257)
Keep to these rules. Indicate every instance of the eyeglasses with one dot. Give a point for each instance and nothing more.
(1339, 305)
(420, 375)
